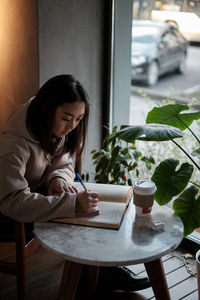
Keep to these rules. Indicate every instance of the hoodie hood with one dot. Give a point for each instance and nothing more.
(16, 123)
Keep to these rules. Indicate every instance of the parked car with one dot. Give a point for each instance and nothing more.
(157, 48)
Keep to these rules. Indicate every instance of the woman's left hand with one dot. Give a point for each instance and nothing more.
(58, 185)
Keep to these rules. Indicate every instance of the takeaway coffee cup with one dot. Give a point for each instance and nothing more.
(143, 191)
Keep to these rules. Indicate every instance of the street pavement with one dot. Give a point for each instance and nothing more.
(143, 100)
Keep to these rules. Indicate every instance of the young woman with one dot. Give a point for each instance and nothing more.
(36, 150)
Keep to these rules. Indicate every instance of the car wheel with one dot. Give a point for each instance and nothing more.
(182, 65)
(152, 74)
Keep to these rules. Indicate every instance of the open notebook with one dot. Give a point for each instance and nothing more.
(113, 201)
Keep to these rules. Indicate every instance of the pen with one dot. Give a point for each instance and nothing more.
(81, 181)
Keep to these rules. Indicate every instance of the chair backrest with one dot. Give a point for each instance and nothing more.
(24, 247)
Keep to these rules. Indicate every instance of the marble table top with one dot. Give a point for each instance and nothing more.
(133, 243)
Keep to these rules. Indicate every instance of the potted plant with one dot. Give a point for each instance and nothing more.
(118, 162)
(167, 123)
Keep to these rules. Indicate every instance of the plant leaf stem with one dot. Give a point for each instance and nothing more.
(194, 183)
(194, 135)
(186, 154)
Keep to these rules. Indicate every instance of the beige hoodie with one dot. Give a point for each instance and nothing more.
(23, 167)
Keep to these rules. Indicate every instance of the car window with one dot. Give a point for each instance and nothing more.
(169, 38)
(178, 35)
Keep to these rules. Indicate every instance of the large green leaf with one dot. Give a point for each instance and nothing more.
(151, 132)
(187, 207)
(171, 115)
(169, 181)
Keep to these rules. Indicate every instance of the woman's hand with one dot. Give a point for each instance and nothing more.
(86, 201)
(58, 185)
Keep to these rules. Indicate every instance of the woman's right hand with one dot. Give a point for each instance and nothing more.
(86, 201)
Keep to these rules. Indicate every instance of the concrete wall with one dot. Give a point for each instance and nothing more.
(70, 41)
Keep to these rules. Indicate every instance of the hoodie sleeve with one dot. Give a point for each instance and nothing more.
(60, 166)
(19, 203)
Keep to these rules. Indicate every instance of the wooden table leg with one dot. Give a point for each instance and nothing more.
(92, 281)
(70, 280)
(157, 278)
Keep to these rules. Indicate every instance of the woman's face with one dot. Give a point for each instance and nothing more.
(67, 117)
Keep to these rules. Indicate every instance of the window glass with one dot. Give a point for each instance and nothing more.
(169, 38)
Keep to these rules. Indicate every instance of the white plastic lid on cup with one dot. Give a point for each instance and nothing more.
(144, 187)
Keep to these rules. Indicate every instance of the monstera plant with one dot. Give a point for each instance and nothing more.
(168, 123)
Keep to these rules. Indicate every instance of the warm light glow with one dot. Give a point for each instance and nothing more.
(18, 49)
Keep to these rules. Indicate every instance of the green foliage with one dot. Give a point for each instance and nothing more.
(151, 132)
(171, 115)
(120, 162)
(163, 124)
(176, 181)
(117, 162)
(187, 206)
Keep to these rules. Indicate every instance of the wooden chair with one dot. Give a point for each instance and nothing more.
(23, 250)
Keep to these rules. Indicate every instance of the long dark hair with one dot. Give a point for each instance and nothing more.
(55, 92)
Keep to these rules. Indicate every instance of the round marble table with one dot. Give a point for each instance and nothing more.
(133, 243)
